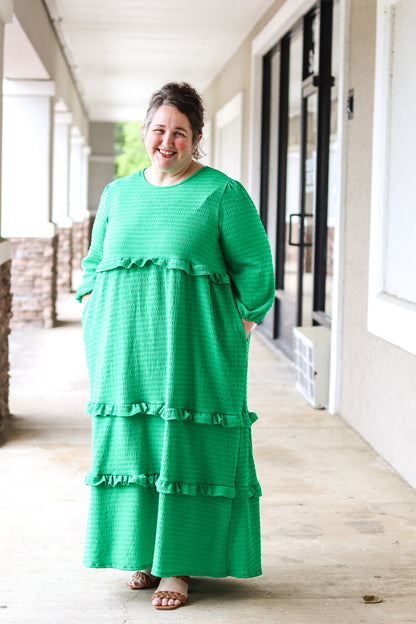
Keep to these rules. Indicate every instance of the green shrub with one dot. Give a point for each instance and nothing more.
(130, 152)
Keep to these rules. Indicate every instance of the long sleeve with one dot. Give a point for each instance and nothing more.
(95, 253)
(247, 253)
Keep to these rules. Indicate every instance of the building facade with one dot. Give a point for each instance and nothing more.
(314, 111)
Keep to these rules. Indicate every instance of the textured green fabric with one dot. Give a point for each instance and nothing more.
(171, 271)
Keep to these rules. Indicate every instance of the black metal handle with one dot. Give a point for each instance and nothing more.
(297, 214)
(290, 229)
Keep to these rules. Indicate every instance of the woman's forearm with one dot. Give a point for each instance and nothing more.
(248, 326)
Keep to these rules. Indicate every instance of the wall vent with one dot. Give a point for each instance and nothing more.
(312, 347)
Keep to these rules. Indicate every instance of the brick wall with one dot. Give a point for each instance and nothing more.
(33, 281)
(89, 225)
(64, 260)
(77, 244)
(5, 315)
(81, 239)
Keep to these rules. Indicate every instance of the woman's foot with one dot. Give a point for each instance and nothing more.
(171, 593)
(142, 579)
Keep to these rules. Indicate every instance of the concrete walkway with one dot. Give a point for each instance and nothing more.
(337, 522)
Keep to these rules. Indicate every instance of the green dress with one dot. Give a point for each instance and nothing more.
(171, 271)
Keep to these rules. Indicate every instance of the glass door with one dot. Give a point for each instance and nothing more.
(296, 141)
(289, 205)
(306, 237)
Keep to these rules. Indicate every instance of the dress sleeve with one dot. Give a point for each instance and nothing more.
(247, 253)
(95, 253)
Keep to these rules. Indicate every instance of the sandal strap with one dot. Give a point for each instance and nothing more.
(168, 595)
(183, 578)
(145, 579)
(140, 576)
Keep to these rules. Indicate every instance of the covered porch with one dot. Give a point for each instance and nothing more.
(338, 521)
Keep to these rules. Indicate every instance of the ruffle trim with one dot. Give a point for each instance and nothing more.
(166, 263)
(173, 487)
(171, 413)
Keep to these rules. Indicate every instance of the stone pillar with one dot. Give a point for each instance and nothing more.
(27, 199)
(78, 198)
(5, 316)
(64, 260)
(6, 14)
(33, 280)
(60, 204)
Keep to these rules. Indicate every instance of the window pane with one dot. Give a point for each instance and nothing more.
(333, 182)
(273, 168)
(273, 154)
(293, 163)
(400, 225)
(310, 202)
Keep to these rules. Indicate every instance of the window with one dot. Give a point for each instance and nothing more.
(392, 278)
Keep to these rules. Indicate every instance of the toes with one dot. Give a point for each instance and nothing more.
(135, 584)
(166, 602)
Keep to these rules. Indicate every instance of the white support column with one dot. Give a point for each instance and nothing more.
(86, 151)
(88, 220)
(60, 204)
(78, 209)
(27, 199)
(27, 158)
(6, 15)
(61, 169)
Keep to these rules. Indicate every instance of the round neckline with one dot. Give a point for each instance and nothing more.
(169, 186)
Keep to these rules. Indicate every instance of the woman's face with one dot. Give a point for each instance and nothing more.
(168, 140)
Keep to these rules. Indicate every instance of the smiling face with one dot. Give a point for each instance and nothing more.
(169, 141)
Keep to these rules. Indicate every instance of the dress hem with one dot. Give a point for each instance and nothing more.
(165, 574)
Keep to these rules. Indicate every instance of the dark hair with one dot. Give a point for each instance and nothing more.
(187, 100)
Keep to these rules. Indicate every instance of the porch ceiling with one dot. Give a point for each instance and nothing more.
(126, 49)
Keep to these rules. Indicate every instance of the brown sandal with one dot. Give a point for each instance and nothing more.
(145, 579)
(169, 594)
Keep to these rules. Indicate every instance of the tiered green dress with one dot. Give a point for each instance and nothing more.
(171, 270)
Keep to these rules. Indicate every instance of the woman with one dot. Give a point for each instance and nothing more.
(179, 270)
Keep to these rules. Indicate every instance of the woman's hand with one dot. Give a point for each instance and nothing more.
(85, 297)
(248, 326)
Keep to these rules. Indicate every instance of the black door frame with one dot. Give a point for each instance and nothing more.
(325, 82)
(320, 83)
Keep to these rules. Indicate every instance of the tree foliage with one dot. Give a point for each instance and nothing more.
(130, 152)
